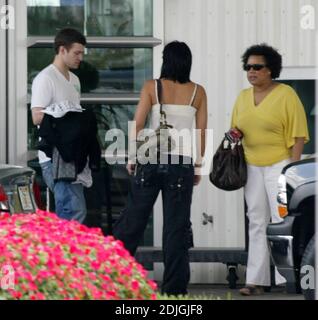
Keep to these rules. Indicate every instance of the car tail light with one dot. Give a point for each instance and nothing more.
(37, 196)
(282, 210)
(282, 196)
(3, 196)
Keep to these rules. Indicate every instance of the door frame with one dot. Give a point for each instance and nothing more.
(3, 89)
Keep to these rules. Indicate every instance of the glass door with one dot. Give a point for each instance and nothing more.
(118, 59)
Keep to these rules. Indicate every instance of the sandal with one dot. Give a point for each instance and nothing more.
(251, 291)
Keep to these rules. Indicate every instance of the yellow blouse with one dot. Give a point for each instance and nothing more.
(270, 128)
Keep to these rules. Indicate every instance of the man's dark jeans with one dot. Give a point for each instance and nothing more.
(176, 183)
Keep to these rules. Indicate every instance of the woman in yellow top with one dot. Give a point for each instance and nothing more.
(272, 120)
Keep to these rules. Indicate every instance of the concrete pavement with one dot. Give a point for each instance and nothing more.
(223, 292)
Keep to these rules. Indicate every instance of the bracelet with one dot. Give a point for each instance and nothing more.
(198, 165)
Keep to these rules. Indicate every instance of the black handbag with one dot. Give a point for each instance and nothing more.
(229, 170)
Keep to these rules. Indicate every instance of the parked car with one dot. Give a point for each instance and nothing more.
(16, 189)
(292, 242)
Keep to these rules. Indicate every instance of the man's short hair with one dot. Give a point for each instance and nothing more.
(67, 37)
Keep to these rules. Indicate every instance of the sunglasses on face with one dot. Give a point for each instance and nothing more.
(256, 67)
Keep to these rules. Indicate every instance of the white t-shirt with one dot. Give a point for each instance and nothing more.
(50, 86)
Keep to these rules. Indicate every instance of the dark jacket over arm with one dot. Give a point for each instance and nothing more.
(74, 136)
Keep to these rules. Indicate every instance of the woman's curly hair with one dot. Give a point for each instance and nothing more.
(272, 58)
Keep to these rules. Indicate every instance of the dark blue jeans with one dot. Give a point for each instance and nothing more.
(176, 183)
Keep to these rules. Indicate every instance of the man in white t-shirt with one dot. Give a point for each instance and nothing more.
(56, 84)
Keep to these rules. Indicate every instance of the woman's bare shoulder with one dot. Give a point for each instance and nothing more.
(201, 93)
(149, 84)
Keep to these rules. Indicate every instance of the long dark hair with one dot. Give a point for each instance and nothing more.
(177, 62)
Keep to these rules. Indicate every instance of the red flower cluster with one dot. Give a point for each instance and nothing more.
(57, 259)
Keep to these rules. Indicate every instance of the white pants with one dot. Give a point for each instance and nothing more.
(261, 198)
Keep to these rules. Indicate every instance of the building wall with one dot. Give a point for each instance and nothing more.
(218, 32)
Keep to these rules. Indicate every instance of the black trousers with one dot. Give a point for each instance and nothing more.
(176, 183)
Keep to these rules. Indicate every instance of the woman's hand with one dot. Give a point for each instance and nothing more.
(234, 135)
(131, 168)
(197, 174)
(197, 180)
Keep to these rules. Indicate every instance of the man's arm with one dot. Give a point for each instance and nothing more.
(42, 93)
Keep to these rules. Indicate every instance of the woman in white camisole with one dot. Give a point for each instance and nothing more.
(185, 105)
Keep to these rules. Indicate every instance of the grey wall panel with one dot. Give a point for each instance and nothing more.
(218, 32)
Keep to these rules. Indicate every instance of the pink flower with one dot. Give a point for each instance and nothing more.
(59, 259)
(135, 285)
(153, 285)
(95, 265)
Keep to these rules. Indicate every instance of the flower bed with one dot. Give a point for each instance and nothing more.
(58, 259)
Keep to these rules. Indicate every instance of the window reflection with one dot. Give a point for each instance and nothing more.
(306, 90)
(113, 117)
(106, 18)
(113, 70)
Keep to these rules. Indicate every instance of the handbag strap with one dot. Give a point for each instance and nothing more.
(163, 117)
(159, 90)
